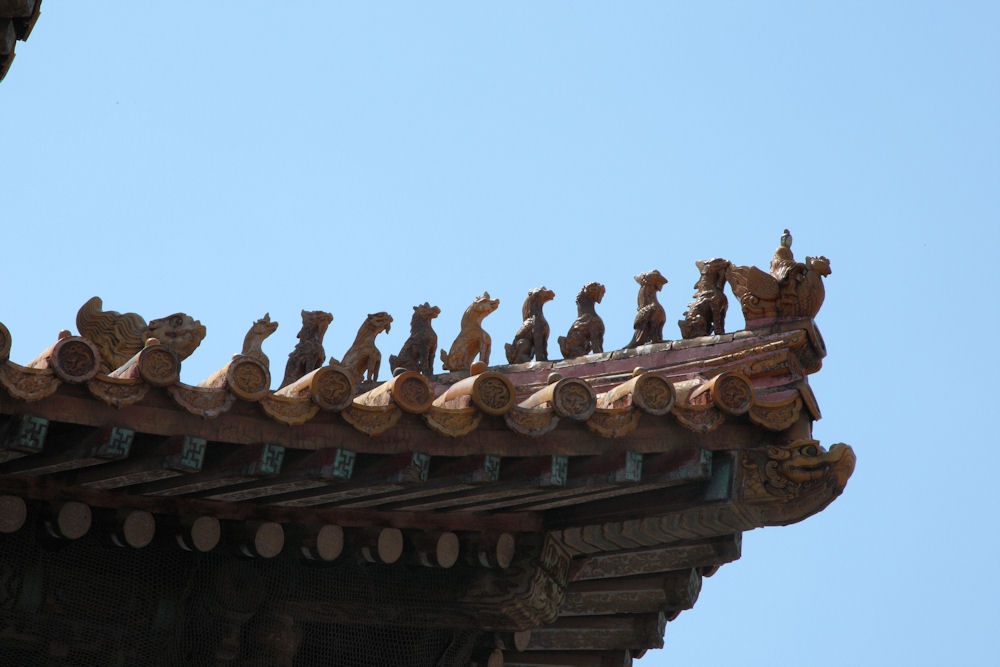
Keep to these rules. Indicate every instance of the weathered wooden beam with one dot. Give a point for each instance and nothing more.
(677, 556)
(304, 471)
(633, 595)
(21, 436)
(619, 658)
(600, 633)
(383, 475)
(149, 461)
(323, 543)
(489, 549)
(110, 443)
(131, 528)
(585, 476)
(70, 520)
(446, 475)
(13, 514)
(657, 471)
(435, 549)
(248, 463)
(198, 533)
(260, 539)
(380, 545)
(516, 479)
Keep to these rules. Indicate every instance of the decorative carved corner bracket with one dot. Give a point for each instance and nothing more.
(783, 485)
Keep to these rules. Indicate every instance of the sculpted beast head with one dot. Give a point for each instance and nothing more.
(264, 327)
(377, 322)
(180, 332)
(314, 324)
(791, 482)
(425, 311)
(592, 291)
(820, 265)
(537, 296)
(482, 306)
(714, 268)
(652, 279)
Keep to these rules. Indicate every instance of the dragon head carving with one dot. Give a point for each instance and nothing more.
(180, 332)
(788, 483)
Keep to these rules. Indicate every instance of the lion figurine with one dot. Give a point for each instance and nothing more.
(471, 340)
(417, 353)
(532, 338)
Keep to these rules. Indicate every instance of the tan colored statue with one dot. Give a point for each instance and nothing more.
(532, 339)
(650, 316)
(363, 358)
(260, 330)
(471, 340)
(308, 354)
(586, 335)
(417, 353)
(707, 313)
(119, 336)
(792, 290)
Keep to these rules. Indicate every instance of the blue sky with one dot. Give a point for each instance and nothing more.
(356, 158)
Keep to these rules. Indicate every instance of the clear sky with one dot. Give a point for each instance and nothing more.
(250, 157)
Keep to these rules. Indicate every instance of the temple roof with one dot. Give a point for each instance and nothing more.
(562, 511)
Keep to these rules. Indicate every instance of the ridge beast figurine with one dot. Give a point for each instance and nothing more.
(471, 340)
(308, 354)
(586, 335)
(363, 358)
(532, 339)
(417, 353)
(707, 313)
(791, 290)
(650, 316)
(260, 330)
(119, 337)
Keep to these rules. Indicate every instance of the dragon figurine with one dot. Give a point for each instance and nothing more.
(119, 337)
